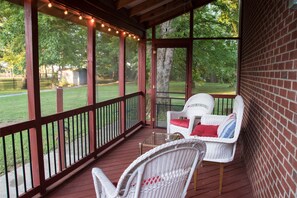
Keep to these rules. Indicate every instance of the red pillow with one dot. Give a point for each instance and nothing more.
(205, 130)
(180, 122)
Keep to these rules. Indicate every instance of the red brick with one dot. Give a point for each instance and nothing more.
(291, 95)
(291, 46)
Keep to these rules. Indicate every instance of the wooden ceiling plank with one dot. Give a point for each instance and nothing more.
(165, 17)
(106, 13)
(165, 9)
(124, 3)
(147, 6)
(177, 12)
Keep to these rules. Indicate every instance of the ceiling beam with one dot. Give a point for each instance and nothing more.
(123, 3)
(167, 8)
(108, 14)
(165, 17)
(147, 6)
(177, 12)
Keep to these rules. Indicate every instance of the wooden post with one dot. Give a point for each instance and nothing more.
(153, 78)
(189, 77)
(60, 108)
(141, 78)
(122, 85)
(32, 70)
(92, 83)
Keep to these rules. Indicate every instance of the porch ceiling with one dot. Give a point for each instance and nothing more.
(135, 15)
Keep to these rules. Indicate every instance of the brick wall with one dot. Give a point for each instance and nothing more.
(269, 88)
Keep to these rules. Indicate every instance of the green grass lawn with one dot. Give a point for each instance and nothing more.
(14, 108)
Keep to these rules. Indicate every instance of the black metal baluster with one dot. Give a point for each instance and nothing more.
(88, 132)
(85, 134)
(69, 145)
(106, 123)
(30, 158)
(73, 139)
(59, 141)
(109, 121)
(5, 167)
(223, 105)
(81, 137)
(64, 139)
(15, 166)
(54, 147)
(118, 117)
(101, 128)
(23, 161)
(48, 151)
(97, 129)
(77, 136)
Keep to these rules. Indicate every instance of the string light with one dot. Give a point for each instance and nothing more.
(50, 4)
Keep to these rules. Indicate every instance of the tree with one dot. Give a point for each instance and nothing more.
(213, 60)
(12, 37)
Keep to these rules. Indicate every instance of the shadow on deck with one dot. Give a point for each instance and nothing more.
(115, 161)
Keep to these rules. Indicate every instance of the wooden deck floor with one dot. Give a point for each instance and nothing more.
(235, 183)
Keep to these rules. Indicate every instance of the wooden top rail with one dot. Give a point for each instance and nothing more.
(7, 130)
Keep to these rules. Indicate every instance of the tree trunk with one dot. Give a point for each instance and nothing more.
(164, 63)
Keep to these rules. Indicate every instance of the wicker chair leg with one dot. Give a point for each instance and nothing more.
(221, 178)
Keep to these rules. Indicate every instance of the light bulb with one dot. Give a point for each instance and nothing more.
(92, 20)
(80, 17)
(109, 29)
(117, 32)
(66, 12)
(50, 5)
(102, 25)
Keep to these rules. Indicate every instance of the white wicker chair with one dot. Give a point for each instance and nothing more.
(196, 106)
(222, 150)
(164, 171)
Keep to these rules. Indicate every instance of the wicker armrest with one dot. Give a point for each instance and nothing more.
(103, 184)
(212, 119)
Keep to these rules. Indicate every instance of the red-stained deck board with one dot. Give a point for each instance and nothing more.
(115, 161)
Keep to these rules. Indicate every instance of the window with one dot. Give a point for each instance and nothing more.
(131, 65)
(178, 27)
(107, 66)
(13, 84)
(214, 66)
(217, 19)
(62, 60)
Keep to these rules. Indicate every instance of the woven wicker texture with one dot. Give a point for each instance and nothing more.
(164, 171)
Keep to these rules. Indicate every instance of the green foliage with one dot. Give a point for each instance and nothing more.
(131, 60)
(12, 37)
(107, 56)
(61, 42)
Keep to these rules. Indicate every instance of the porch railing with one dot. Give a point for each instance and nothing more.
(66, 143)
(223, 106)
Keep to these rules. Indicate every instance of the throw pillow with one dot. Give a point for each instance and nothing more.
(180, 122)
(227, 127)
(205, 130)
